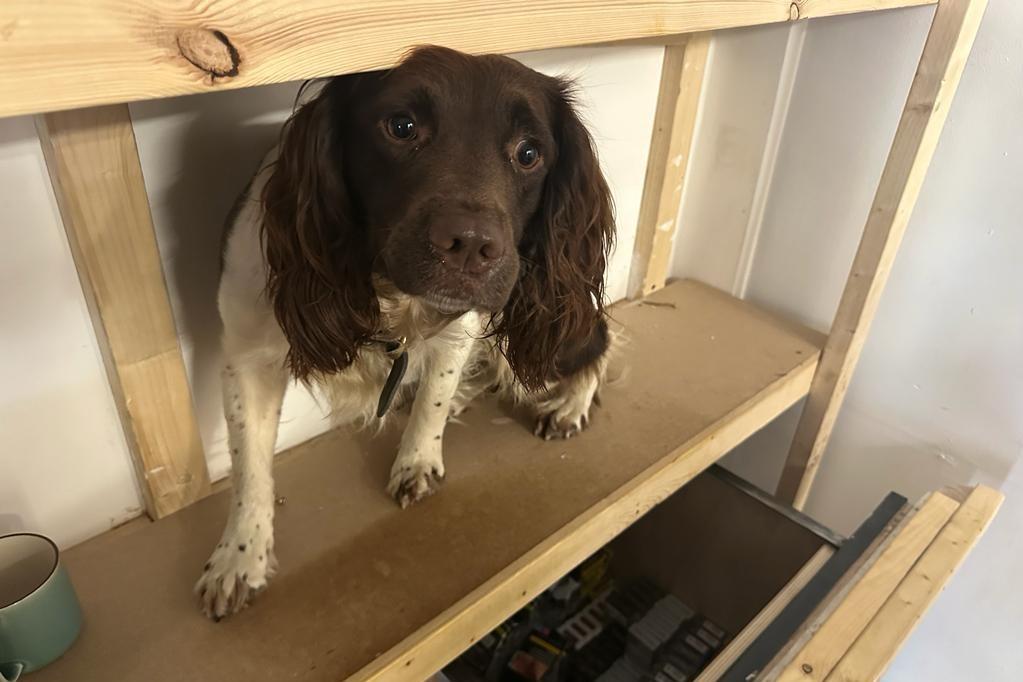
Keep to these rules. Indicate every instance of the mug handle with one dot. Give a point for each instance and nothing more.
(10, 672)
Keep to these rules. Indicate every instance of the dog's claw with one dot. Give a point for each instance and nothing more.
(232, 578)
(412, 483)
(549, 426)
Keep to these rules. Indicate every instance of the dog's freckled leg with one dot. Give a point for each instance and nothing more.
(419, 467)
(253, 392)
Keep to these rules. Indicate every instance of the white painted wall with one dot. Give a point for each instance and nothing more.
(938, 396)
(64, 469)
(746, 82)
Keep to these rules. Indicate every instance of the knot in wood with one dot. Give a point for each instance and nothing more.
(210, 51)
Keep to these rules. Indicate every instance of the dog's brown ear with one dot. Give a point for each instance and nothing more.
(320, 270)
(554, 322)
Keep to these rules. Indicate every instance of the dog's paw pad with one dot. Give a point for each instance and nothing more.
(413, 482)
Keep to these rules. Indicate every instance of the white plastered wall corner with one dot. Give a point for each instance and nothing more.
(938, 395)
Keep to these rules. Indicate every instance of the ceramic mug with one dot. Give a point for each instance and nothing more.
(39, 612)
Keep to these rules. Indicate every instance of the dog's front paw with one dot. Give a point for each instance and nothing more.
(413, 479)
(566, 412)
(560, 425)
(237, 570)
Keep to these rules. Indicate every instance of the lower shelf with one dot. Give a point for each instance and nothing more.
(369, 591)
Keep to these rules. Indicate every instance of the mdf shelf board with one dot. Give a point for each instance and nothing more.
(370, 591)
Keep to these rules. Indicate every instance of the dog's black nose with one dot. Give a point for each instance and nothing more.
(467, 241)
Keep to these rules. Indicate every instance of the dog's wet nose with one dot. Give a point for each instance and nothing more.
(465, 241)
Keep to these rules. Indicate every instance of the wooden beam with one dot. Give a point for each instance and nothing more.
(841, 587)
(671, 142)
(870, 655)
(841, 628)
(63, 54)
(719, 664)
(97, 179)
(948, 45)
(808, 9)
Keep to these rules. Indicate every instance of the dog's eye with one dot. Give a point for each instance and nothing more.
(526, 154)
(401, 127)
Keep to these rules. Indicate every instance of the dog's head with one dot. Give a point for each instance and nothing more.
(468, 182)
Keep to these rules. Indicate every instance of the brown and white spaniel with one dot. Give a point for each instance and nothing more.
(422, 234)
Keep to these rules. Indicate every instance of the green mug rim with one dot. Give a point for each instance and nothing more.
(53, 569)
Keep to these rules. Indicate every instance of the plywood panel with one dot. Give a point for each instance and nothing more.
(719, 550)
(719, 666)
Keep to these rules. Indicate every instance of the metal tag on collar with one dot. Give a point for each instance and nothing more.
(395, 349)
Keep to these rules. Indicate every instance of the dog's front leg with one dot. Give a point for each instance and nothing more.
(419, 467)
(243, 560)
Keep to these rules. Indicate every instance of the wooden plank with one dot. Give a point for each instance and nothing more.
(97, 179)
(671, 142)
(948, 45)
(870, 655)
(808, 9)
(63, 54)
(837, 633)
(658, 156)
(359, 576)
(770, 670)
(730, 653)
(858, 550)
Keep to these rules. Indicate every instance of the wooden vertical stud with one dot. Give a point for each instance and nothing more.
(97, 179)
(941, 65)
(670, 144)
